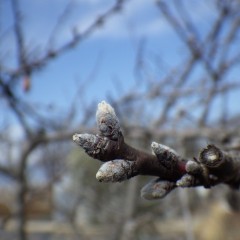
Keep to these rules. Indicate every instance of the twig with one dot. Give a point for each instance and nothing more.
(213, 166)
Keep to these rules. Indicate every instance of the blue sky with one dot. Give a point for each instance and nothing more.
(110, 51)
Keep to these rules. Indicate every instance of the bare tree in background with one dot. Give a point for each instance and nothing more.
(38, 130)
(177, 109)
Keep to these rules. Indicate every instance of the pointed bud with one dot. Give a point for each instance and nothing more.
(160, 149)
(85, 140)
(165, 154)
(157, 189)
(94, 146)
(116, 171)
(107, 121)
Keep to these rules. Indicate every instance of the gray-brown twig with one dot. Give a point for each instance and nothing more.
(213, 166)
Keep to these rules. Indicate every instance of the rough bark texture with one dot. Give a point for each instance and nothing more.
(213, 166)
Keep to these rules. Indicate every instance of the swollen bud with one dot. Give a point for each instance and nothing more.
(85, 140)
(165, 154)
(157, 189)
(116, 171)
(107, 121)
(160, 149)
(95, 146)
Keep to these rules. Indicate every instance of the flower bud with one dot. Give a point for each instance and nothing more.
(107, 121)
(116, 171)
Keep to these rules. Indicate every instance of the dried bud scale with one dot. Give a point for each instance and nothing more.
(85, 140)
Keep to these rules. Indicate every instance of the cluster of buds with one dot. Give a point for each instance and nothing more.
(123, 162)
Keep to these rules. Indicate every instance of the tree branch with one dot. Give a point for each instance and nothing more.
(122, 161)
